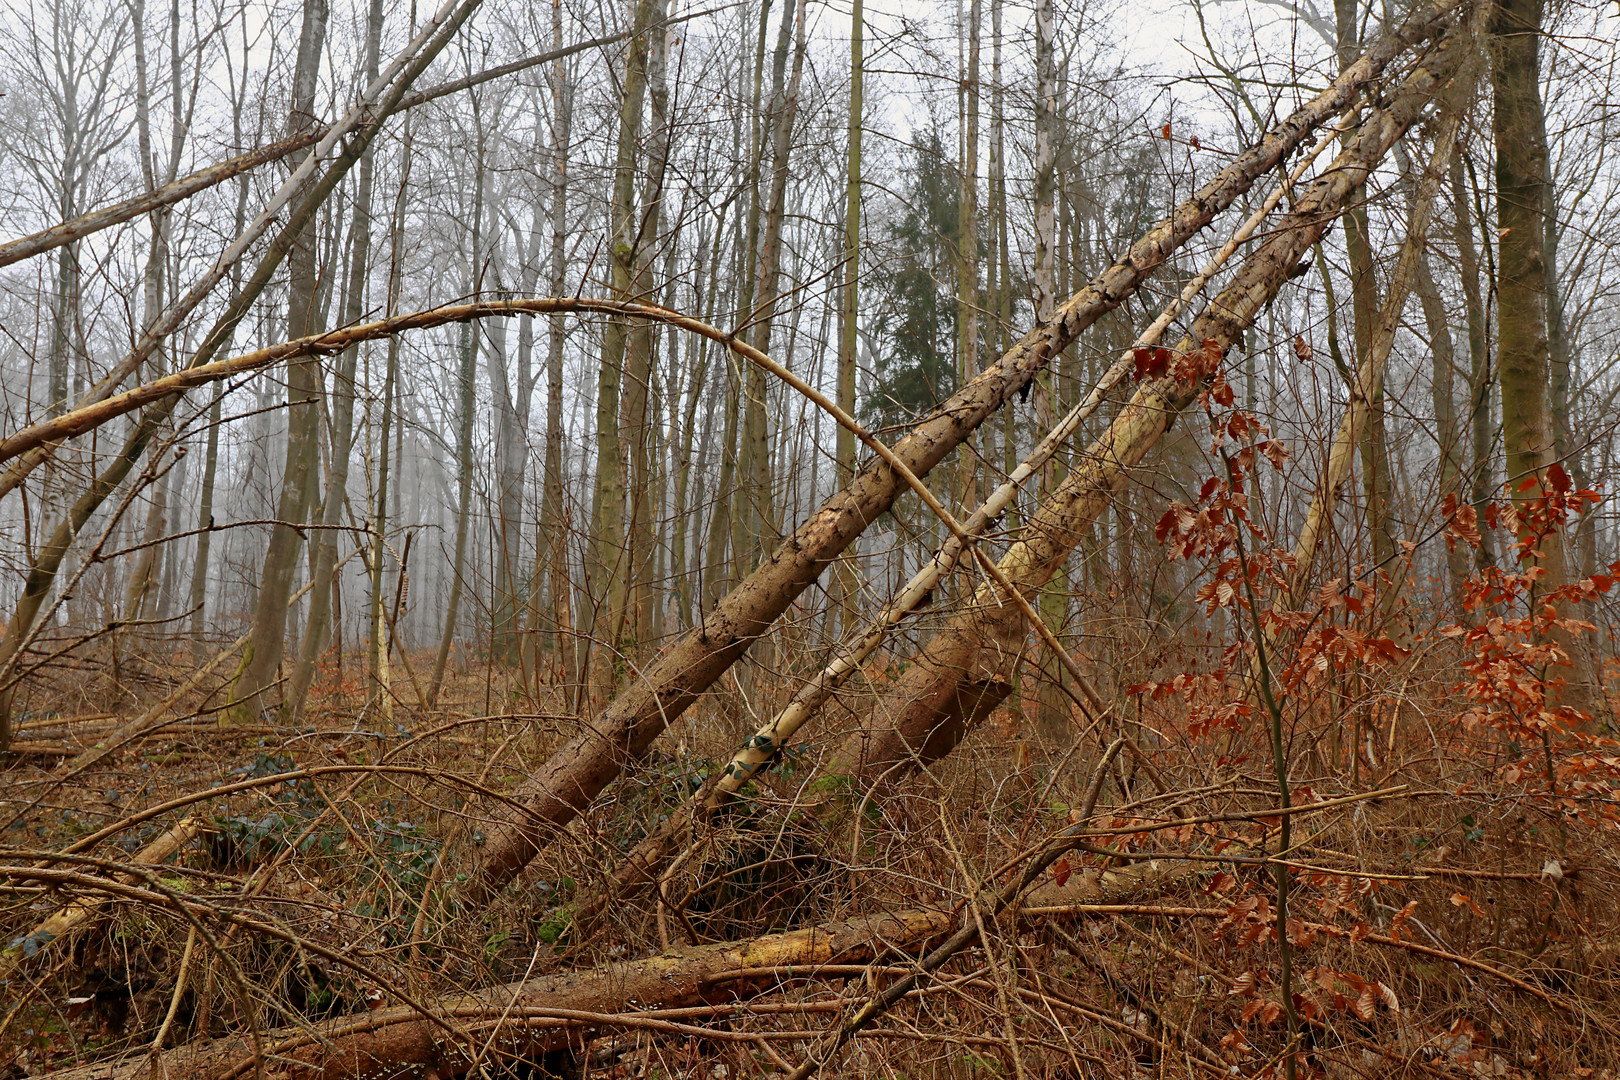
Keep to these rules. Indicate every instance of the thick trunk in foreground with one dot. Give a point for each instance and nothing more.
(965, 669)
(1526, 373)
(509, 1021)
(580, 769)
(1521, 266)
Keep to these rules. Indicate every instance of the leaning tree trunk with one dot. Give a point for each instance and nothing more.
(583, 766)
(964, 671)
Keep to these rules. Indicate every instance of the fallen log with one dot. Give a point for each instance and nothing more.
(578, 771)
(527, 1019)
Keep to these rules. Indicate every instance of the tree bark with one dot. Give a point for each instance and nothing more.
(1525, 371)
(1374, 447)
(846, 585)
(631, 612)
(318, 627)
(608, 569)
(1369, 377)
(1442, 381)
(304, 387)
(1521, 176)
(757, 529)
(553, 533)
(1480, 426)
(968, 301)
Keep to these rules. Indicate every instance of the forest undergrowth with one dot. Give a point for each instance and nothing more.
(1448, 864)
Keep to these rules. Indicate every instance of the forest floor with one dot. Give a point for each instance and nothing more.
(1452, 926)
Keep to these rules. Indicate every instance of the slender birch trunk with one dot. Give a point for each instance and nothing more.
(846, 585)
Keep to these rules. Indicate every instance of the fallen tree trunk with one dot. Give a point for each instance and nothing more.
(526, 1019)
(582, 767)
(965, 669)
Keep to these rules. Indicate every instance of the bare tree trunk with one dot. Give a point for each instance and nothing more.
(968, 300)
(846, 586)
(1442, 383)
(582, 767)
(608, 570)
(553, 538)
(758, 529)
(379, 635)
(1369, 375)
(1001, 256)
(458, 561)
(263, 654)
(1479, 356)
(1375, 469)
(1045, 162)
(725, 533)
(511, 456)
(632, 613)
(1529, 434)
(205, 522)
(697, 364)
(318, 627)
